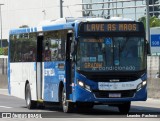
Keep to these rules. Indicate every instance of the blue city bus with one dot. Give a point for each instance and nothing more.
(79, 63)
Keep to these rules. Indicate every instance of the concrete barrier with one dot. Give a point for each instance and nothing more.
(154, 88)
(4, 91)
(153, 84)
(3, 72)
(3, 81)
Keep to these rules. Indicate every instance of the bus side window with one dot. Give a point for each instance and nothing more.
(54, 49)
(47, 52)
(54, 46)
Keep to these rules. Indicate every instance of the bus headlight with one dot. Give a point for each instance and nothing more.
(144, 83)
(139, 87)
(83, 85)
(80, 83)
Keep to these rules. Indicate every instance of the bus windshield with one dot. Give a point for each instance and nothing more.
(111, 54)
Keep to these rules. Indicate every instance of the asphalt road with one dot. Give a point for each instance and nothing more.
(17, 108)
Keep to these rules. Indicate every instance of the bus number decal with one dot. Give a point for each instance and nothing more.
(49, 72)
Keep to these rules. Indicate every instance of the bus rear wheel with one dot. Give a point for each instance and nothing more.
(67, 106)
(124, 108)
(29, 102)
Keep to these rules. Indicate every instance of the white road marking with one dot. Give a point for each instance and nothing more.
(5, 107)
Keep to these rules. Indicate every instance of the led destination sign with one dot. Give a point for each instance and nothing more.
(110, 27)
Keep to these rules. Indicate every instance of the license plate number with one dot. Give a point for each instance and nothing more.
(114, 95)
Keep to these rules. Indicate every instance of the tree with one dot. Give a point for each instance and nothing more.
(143, 20)
(154, 10)
(24, 26)
(154, 21)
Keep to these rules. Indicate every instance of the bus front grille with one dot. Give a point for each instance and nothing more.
(123, 94)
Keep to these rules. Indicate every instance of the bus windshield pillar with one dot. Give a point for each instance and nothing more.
(68, 66)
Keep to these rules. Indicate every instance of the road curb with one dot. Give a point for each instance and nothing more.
(153, 99)
(4, 91)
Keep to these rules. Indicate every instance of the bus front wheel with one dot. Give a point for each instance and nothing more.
(66, 105)
(29, 102)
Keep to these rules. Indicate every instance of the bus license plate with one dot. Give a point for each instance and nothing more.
(114, 95)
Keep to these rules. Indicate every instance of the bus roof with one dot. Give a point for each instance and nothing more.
(64, 23)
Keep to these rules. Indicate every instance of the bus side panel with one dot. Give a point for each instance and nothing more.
(29, 74)
(53, 74)
(15, 79)
(19, 74)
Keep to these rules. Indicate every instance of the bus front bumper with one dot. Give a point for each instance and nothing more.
(83, 95)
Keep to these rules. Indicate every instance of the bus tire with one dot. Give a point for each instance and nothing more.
(29, 102)
(124, 108)
(66, 106)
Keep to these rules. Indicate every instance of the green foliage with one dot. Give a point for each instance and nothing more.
(154, 21)
(4, 51)
(24, 26)
(54, 45)
(1, 51)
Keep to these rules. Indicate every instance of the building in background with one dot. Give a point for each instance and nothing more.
(17, 13)
(133, 9)
(155, 9)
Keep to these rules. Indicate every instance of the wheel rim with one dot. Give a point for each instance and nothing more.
(28, 97)
(64, 102)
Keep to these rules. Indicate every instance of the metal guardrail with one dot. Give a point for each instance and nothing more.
(3, 64)
(153, 65)
(153, 81)
(153, 84)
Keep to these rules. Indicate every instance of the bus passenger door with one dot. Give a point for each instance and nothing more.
(69, 72)
(39, 66)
